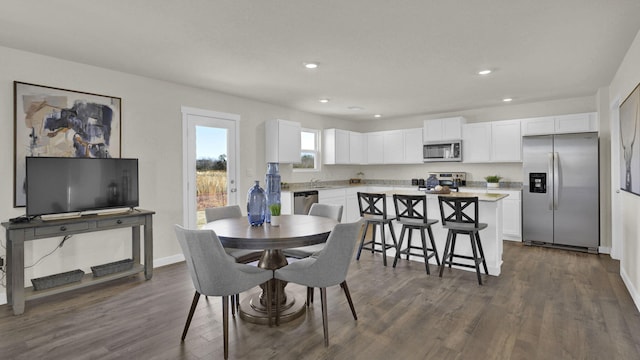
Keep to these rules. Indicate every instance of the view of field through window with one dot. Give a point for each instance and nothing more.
(211, 169)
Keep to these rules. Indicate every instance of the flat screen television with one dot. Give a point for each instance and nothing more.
(56, 185)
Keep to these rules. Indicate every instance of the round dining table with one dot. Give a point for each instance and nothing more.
(293, 231)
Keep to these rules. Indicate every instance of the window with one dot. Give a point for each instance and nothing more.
(309, 156)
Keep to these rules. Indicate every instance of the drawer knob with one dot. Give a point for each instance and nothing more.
(119, 222)
(63, 228)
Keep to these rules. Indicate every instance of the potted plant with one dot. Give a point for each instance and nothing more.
(493, 181)
(275, 214)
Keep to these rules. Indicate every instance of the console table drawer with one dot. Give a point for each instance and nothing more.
(61, 229)
(125, 221)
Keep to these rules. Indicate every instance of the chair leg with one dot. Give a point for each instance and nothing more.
(424, 251)
(453, 248)
(325, 327)
(233, 305)
(194, 303)
(393, 235)
(395, 260)
(374, 228)
(364, 234)
(433, 245)
(309, 295)
(384, 245)
(344, 287)
(409, 241)
(446, 253)
(475, 257)
(484, 261)
(225, 325)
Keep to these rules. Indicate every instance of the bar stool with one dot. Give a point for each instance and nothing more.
(373, 208)
(460, 216)
(411, 212)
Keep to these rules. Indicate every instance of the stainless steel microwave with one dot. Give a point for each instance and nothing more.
(450, 150)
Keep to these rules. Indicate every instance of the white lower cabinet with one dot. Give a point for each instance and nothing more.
(511, 214)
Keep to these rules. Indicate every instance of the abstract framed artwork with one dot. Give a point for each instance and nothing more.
(54, 122)
(630, 142)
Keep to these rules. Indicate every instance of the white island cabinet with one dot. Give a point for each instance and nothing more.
(491, 212)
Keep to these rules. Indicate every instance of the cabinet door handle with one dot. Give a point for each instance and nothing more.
(119, 222)
(63, 228)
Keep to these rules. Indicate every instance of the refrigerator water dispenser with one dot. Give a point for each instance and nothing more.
(538, 183)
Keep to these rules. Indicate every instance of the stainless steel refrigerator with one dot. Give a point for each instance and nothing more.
(560, 204)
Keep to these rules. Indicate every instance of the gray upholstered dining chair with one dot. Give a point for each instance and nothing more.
(242, 256)
(325, 210)
(214, 273)
(323, 269)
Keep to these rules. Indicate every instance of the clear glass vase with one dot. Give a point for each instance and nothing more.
(256, 205)
(272, 187)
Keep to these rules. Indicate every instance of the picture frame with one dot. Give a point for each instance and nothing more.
(630, 142)
(56, 122)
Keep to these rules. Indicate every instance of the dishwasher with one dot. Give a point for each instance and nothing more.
(302, 201)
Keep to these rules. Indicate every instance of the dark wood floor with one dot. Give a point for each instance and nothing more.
(547, 304)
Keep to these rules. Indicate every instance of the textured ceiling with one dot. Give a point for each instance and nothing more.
(391, 57)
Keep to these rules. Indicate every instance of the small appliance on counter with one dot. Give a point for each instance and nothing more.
(453, 180)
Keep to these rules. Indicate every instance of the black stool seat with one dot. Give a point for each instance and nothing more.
(460, 216)
(373, 209)
(411, 212)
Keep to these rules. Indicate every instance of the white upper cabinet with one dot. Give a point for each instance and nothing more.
(393, 147)
(561, 124)
(413, 146)
(506, 141)
(576, 123)
(443, 129)
(375, 147)
(496, 141)
(282, 142)
(335, 146)
(357, 148)
(476, 142)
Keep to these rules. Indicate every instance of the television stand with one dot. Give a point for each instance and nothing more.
(18, 233)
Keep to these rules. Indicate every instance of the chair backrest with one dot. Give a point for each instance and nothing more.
(458, 210)
(332, 262)
(411, 207)
(223, 212)
(372, 204)
(211, 269)
(327, 210)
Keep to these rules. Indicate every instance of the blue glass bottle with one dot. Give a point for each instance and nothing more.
(272, 187)
(256, 205)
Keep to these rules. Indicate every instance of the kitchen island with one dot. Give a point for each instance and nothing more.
(490, 212)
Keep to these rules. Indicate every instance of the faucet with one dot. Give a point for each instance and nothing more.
(314, 182)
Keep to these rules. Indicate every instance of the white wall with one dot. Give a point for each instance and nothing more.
(151, 131)
(625, 205)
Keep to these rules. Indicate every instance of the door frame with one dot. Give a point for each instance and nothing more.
(186, 111)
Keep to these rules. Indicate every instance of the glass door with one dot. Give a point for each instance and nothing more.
(210, 146)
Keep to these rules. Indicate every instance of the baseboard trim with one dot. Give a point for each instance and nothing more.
(604, 250)
(632, 290)
(168, 260)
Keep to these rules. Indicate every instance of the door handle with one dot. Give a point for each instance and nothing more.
(556, 180)
(551, 175)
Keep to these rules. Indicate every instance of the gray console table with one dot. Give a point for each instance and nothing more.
(18, 233)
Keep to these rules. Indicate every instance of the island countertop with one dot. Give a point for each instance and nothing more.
(480, 196)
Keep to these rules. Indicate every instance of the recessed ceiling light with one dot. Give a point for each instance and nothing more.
(355, 108)
(377, 115)
(311, 65)
(484, 72)
(507, 99)
(324, 101)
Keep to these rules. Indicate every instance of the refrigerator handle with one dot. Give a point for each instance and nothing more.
(551, 175)
(556, 182)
